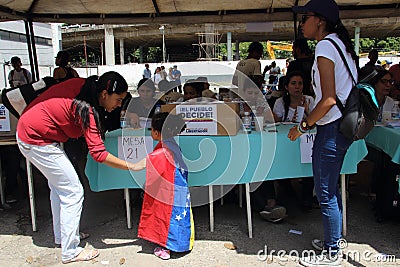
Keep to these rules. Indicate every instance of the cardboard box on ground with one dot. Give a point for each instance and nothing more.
(228, 122)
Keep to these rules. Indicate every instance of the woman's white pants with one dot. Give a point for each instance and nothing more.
(66, 193)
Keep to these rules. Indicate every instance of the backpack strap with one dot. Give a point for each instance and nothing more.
(25, 74)
(338, 102)
(12, 76)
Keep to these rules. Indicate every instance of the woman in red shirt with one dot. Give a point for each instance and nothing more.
(70, 110)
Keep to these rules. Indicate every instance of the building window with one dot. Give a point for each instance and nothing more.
(19, 37)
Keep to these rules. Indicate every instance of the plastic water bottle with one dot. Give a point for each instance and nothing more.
(247, 123)
(396, 111)
(252, 116)
(157, 109)
(123, 120)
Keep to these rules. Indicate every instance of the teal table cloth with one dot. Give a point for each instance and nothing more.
(386, 139)
(223, 160)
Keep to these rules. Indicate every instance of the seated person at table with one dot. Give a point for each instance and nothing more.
(382, 83)
(254, 100)
(166, 218)
(168, 92)
(144, 105)
(207, 93)
(192, 91)
(285, 107)
(382, 175)
(264, 197)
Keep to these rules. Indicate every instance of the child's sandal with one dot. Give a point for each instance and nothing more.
(162, 253)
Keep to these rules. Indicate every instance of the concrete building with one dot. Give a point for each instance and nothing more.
(13, 43)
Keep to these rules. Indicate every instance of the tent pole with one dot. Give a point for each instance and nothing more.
(34, 50)
(28, 42)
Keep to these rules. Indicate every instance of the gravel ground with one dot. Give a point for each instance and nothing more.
(104, 218)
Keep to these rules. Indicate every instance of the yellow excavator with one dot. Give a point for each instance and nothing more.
(272, 47)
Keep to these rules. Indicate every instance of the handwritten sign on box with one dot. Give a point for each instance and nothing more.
(134, 148)
(306, 145)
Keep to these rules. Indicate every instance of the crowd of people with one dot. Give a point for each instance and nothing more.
(173, 76)
(79, 111)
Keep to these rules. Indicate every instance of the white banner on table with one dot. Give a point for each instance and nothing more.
(306, 145)
(200, 119)
(4, 119)
(134, 148)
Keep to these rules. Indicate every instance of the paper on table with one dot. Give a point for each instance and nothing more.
(393, 124)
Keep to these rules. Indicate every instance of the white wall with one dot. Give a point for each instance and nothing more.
(217, 72)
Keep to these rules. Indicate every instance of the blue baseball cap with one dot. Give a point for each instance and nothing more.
(326, 8)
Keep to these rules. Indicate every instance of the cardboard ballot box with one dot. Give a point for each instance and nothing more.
(8, 124)
(210, 118)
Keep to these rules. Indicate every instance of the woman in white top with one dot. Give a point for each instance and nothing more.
(157, 77)
(382, 83)
(285, 106)
(330, 78)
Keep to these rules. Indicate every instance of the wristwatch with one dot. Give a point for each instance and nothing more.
(304, 127)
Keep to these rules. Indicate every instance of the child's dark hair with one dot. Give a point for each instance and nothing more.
(168, 125)
(88, 97)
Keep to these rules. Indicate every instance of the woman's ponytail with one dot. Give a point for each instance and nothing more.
(87, 98)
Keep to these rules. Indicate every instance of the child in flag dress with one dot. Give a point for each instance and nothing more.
(166, 217)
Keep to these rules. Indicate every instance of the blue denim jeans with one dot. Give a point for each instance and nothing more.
(330, 147)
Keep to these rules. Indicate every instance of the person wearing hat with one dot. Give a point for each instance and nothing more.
(18, 76)
(69, 110)
(386, 64)
(320, 20)
(207, 93)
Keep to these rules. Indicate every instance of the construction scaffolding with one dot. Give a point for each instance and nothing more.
(208, 43)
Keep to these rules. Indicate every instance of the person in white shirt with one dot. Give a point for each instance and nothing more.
(18, 76)
(382, 82)
(285, 108)
(330, 80)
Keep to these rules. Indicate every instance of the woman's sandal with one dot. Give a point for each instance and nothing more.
(162, 253)
(85, 255)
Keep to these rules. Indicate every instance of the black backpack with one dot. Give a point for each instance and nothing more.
(18, 98)
(361, 110)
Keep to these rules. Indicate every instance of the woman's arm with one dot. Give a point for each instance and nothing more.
(118, 163)
(327, 73)
(326, 69)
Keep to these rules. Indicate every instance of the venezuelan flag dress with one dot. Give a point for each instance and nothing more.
(166, 217)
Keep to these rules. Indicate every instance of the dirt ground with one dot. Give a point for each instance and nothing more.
(104, 218)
